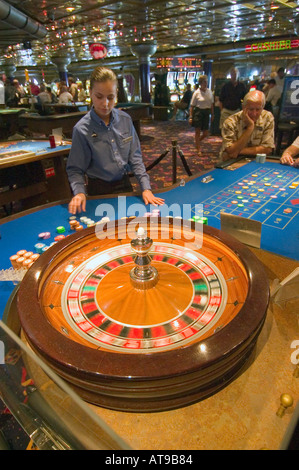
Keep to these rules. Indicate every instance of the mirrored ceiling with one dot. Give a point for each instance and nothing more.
(34, 32)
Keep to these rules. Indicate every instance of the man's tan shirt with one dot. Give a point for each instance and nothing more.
(263, 133)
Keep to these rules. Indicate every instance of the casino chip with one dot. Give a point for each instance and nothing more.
(44, 235)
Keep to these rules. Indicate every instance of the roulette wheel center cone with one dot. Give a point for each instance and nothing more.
(166, 300)
(144, 294)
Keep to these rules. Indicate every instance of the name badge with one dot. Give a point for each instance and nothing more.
(127, 139)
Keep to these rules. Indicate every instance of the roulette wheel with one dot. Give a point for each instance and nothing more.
(145, 314)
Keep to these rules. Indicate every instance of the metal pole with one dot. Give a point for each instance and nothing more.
(174, 157)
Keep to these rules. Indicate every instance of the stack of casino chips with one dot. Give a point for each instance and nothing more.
(76, 225)
(87, 221)
(40, 247)
(200, 220)
(23, 259)
(60, 230)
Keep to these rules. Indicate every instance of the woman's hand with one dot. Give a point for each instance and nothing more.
(78, 203)
(149, 198)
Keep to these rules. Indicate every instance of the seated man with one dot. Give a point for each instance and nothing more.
(64, 96)
(250, 131)
(185, 101)
(43, 98)
(288, 155)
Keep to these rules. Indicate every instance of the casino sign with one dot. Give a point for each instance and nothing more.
(270, 46)
(179, 62)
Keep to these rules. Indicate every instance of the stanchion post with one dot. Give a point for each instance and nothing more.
(174, 157)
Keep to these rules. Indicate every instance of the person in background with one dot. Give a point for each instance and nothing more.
(231, 96)
(250, 131)
(288, 156)
(42, 99)
(273, 95)
(60, 85)
(184, 103)
(53, 97)
(280, 79)
(34, 89)
(43, 96)
(81, 92)
(73, 89)
(161, 92)
(105, 147)
(201, 108)
(64, 96)
(19, 88)
(11, 95)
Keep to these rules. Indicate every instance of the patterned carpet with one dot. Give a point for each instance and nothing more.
(157, 137)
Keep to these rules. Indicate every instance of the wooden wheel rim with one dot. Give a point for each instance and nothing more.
(66, 356)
